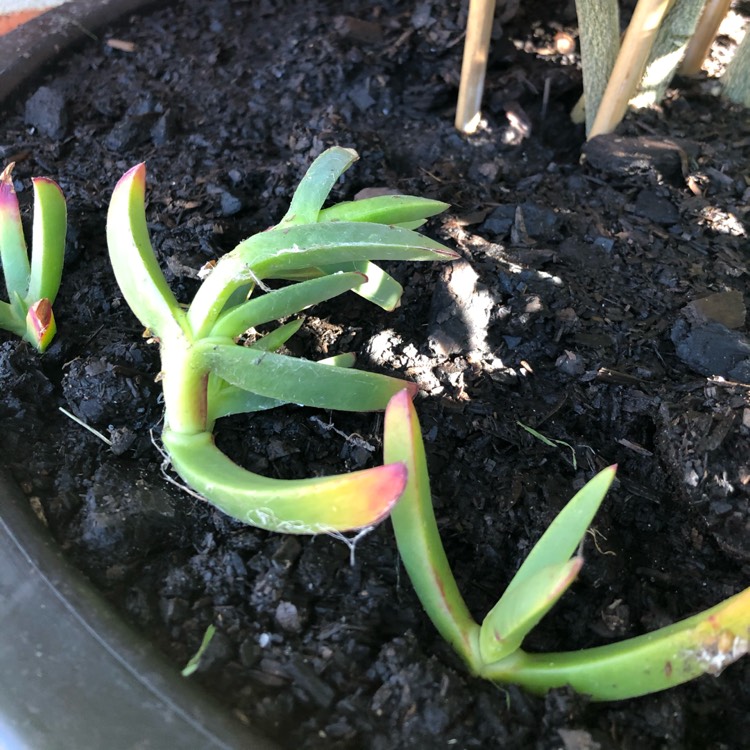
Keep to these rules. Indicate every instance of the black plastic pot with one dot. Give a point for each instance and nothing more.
(74, 675)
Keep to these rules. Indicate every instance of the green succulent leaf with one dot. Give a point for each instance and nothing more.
(13, 253)
(274, 340)
(278, 251)
(232, 400)
(48, 241)
(225, 399)
(299, 381)
(9, 321)
(280, 303)
(380, 288)
(545, 574)
(133, 260)
(564, 534)
(385, 209)
(417, 535)
(345, 359)
(317, 183)
(294, 506)
(517, 612)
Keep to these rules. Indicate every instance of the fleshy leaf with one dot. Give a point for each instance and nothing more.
(385, 209)
(9, 321)
(136, 269)
(511, 619)
(293, 506)
(417, 534)
(380, 288)
(225, 399)
(564, 534)
(277, 251)
(48, 240)
(13, 253)
(232, 400)
(318, 181)
(285, 251)
(345, 359)
(299, 381)
(280, 303)
(275, 339)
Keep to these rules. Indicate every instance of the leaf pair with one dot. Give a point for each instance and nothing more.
(32, 286)
(704, 643)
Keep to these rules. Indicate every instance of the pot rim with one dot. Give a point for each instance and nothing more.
(31, 46)
(77, 675)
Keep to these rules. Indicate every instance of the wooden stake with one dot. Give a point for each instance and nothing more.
(474, 65)
(705, 33)
(635, 49)
(674, 35)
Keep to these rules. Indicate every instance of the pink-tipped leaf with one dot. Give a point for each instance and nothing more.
(298, 506)
(13, 253)
(133, 260)
(417, 534)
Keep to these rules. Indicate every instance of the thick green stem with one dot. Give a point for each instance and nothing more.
(185, 384)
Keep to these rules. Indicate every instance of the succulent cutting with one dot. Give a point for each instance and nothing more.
(206, 374)
(32, 285)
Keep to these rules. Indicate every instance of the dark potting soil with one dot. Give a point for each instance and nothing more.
(572, 312)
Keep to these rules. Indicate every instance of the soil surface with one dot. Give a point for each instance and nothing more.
(573, 312)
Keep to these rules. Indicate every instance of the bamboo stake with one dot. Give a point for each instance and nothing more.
(703, 38)
(599, 36)
(474, 65)
(674, 35)
(636, 47)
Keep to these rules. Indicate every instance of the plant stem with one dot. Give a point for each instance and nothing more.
(185, 385)
(599, 33)
(736, 79)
